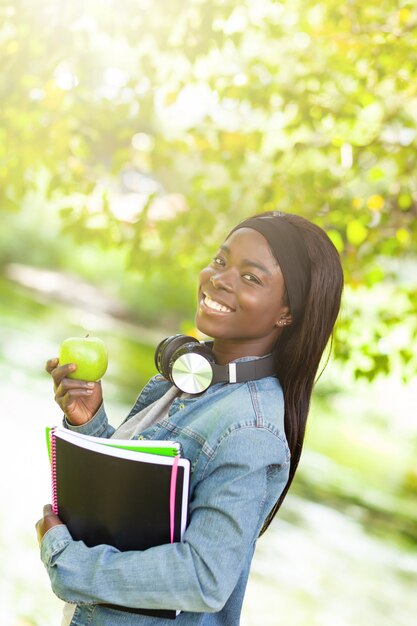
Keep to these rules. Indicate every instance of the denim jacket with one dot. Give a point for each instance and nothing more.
(234, 436)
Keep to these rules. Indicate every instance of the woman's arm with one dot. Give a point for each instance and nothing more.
(229, 505)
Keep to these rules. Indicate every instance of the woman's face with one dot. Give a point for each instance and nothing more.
(241, 295)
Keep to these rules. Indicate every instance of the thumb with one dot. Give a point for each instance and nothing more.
(47, 510)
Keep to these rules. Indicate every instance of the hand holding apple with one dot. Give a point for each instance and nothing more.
(79, 399)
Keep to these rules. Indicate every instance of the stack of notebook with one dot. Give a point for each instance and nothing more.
(130, 494)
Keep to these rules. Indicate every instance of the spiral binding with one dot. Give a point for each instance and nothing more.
(53, 471)
(172, 497)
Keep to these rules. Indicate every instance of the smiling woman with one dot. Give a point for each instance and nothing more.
(242, 298)
(269, 300)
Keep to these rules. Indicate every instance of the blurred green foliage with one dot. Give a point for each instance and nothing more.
(134, 134)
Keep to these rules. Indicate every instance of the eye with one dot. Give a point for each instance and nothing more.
(251, 278)
(217, 260)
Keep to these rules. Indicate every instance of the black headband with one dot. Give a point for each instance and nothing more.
(289, 250)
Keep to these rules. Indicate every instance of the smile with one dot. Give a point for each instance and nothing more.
(215, 306)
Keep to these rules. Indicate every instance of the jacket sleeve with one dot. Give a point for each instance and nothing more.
(229, 505)
(97, 426)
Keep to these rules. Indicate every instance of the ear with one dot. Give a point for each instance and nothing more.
(284, 320)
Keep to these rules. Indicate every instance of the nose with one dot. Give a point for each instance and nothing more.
(222, 281)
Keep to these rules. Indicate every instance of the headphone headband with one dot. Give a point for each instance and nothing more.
(242, 372)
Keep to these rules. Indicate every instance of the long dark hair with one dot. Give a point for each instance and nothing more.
(301, 346)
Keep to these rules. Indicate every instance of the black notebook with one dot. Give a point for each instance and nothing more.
(130, 494)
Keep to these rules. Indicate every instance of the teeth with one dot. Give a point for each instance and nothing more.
(212, 304)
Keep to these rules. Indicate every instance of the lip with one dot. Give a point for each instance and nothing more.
(204, 306)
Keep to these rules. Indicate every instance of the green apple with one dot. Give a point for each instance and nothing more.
(89, 355)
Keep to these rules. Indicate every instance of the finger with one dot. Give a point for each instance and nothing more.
(69, 401)
(62, 371)
(76, 383)
(74, 388)
(51, 364)
(47, 510)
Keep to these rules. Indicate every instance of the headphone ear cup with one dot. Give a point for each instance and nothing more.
(191, 367)
(191, 346)
(166, 349)
(159, 352)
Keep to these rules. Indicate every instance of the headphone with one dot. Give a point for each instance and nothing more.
(191, 366)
